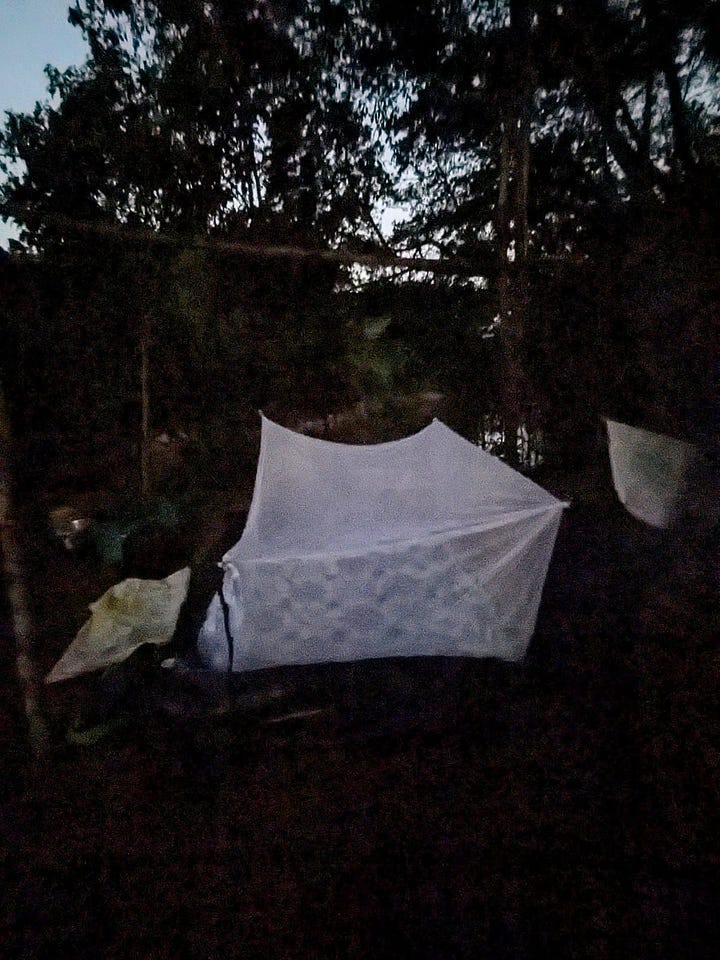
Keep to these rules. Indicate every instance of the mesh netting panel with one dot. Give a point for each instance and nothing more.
(423, 546)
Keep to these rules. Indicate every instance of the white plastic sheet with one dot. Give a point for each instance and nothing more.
(128, 615)
(423, 546)
(651, 472)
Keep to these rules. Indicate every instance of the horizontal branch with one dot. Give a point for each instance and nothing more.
(455, 266)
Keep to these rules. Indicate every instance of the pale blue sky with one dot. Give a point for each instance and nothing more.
(32, 34)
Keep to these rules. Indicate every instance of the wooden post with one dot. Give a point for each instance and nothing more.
(16, 584)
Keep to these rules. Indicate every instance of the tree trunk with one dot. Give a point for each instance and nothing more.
(17, 592)
(665, 37)
(146, 301)
(506, 299)
(512, 224)
(677, 110)
(145, 409)
(646, 132)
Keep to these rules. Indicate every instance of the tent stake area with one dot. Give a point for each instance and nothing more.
(568, 810)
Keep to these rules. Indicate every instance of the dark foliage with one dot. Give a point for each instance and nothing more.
(567, 153)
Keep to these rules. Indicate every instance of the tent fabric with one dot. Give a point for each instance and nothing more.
(651, 472)
(419, 547)
(126, 616)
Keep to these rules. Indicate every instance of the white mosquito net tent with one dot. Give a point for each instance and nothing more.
(425, 546)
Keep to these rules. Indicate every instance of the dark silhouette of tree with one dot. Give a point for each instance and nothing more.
(552, 130)
(527, 137)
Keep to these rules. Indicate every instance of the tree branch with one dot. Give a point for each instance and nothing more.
(641, 173)
(451, 266)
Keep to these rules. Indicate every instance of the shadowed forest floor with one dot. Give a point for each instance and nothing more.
(565, 807)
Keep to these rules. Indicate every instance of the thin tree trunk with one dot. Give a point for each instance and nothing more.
(502, 226)
(145, 409)
(146, 302)
(513, 223)
(677, 110)
(645, 134)
(518, 326)
(511, 333)
(17, 592)
(665, 37)
(506, 298)
(526, 84)
(522, 194)
(642, 175)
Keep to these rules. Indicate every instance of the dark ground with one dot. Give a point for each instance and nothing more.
(567, 807)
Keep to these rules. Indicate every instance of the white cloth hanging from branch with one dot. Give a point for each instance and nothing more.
(651, 472)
